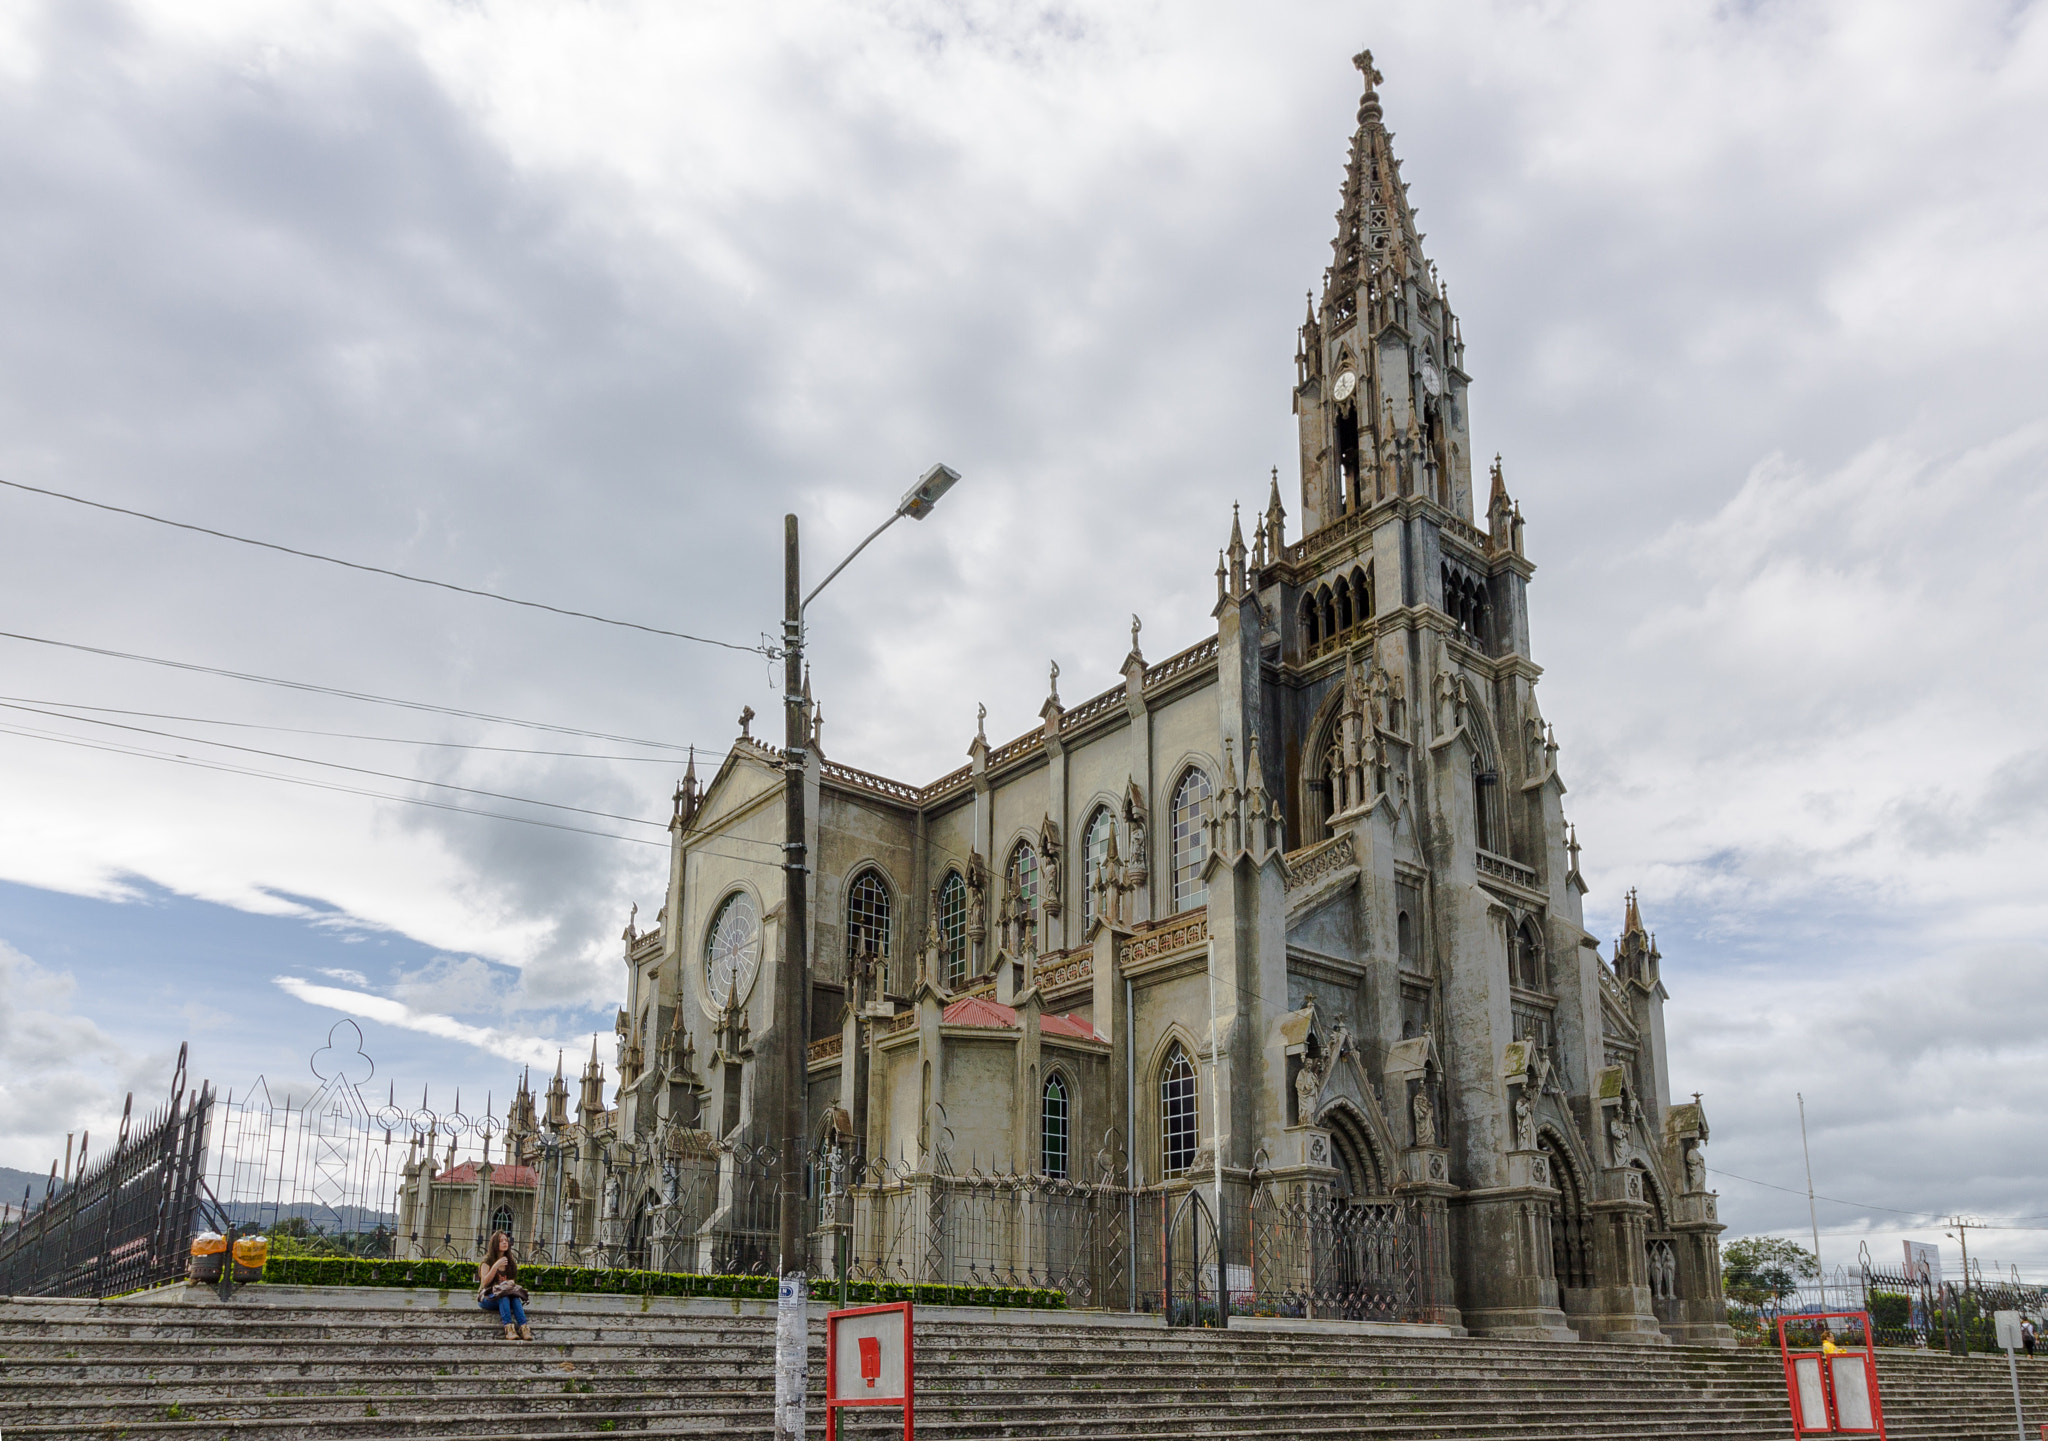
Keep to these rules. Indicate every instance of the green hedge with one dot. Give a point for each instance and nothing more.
(461, 1276)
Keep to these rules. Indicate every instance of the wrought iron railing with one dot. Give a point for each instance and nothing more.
(124, 1223)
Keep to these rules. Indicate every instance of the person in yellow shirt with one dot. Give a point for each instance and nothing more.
(1828, 1346)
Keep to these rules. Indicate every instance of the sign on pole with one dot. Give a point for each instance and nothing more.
(1833, 1391)
(870, 1361)
(2008, 1330)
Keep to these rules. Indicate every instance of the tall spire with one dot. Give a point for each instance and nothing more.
(1375, 224)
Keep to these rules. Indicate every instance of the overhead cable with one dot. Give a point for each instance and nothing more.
(364, 696)
(380, 570)
(332, 735)
(332, 765)
(229, 768)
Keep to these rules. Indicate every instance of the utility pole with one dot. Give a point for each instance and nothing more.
(1812, 1213)
(792, 1338)
(792, 970)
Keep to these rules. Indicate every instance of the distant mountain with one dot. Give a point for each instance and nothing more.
(12, 1183)
(342, 1220)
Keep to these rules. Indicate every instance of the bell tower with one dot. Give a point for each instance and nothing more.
(1379, 373)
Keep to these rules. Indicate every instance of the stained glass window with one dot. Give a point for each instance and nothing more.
(953, 929)
(1179, 1118)
(1095, 845)
(732, 951)
(1052, 1129)
(1022, 884)
(867, 917)
(1190, 839)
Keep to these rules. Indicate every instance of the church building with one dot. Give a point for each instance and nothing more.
(1296, 906)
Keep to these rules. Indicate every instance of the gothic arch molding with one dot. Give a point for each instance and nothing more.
(1359, 1150)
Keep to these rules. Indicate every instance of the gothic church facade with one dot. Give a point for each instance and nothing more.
(1297, 903)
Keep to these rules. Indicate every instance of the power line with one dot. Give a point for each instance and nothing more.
(380, 570)
(228, 768)
(1831, 1200)
(146, 754)
(1938, 1218)
(364, 696)
(334, 735)
(333, 765)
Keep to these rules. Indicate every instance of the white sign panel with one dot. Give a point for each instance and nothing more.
(2008, 1324)
(1923, 1263)
(1852, 1394)
(1813, 1398)
(868, 1357)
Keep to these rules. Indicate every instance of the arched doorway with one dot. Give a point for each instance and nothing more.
(1571, 1231)
(1660, 1253)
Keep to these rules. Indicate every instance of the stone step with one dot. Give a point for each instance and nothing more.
(358, 1365)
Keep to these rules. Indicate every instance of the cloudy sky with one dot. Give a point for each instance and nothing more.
(573, 301)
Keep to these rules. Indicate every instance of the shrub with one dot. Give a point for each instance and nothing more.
(461, 1276)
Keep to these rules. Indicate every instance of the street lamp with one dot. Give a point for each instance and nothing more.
(791, 1338)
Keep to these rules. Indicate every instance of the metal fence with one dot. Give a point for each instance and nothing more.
(342, 1172)
(125, 1222)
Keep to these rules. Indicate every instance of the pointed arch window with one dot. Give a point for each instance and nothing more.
(1179, 1112)
(867, 916)
(1021, 885)
(501, 1219)
(1528, 958)
(1095, 850)
(953, 929)
(1055, 1113)
(1190, 839)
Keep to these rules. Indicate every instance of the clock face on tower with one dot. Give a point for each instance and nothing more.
(732, 952)
(1346, 383)
(1431, 381)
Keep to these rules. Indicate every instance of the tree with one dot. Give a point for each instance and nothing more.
(1757, 1269)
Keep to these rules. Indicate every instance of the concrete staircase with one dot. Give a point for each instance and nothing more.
(286, 1362)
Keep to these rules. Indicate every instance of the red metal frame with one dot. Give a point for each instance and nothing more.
(1827, 1374)
(908, 1400)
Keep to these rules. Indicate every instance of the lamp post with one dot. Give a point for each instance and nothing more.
(793, 971)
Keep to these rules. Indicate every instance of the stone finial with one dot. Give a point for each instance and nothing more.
(1136, 626)
(1054, 685)
(746, 723)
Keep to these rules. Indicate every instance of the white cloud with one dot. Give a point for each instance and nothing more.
(63, 1073)
(353, 978)
(528, 1050)
(576, 301)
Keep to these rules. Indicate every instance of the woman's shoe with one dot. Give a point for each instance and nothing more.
(511, 1333)
(526, 1333)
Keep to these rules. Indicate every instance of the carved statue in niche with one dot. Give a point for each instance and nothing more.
(977, 897)
(1446, 703)
(1134, 817)
(1425, 1117)
(1525, 1121)
(1049, 863)
(1695, 1167)
(1376, 692)
(1308, 1084)
(1538, 756)
(1617, 1137)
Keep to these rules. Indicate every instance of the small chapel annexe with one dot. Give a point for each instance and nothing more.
(1294, 911)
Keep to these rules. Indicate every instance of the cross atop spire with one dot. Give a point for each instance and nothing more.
(1373, 78)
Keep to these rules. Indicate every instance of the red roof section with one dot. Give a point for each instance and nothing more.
(993, 1015)
(506, 1177)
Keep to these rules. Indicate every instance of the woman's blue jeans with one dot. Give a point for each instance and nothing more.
(509, 1310)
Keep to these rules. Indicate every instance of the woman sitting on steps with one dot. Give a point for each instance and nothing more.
(498, 1288)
